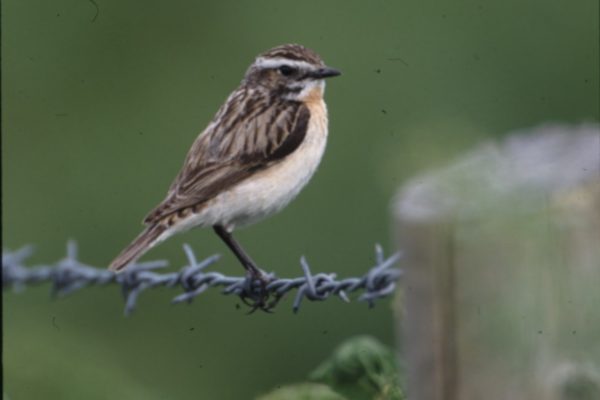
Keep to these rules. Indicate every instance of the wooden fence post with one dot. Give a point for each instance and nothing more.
(501, 296)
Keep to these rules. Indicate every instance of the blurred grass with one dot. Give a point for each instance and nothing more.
(359, 368)
(98, 115)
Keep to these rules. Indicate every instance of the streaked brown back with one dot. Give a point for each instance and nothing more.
(251, 131)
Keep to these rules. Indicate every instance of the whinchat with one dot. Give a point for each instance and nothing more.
(261, 148)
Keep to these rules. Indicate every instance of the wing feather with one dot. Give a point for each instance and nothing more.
(248, 134)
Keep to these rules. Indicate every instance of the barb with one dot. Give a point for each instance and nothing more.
(70, 275)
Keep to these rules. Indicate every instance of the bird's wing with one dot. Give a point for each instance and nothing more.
(234, 147)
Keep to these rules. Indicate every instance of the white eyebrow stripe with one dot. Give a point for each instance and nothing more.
(278, 62)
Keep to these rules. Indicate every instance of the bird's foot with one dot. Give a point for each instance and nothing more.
(257, 296)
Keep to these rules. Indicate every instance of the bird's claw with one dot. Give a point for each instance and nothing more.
(256, 295)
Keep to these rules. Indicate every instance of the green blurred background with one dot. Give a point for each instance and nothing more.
(100, 107)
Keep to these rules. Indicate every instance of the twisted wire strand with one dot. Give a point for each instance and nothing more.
(70, 275)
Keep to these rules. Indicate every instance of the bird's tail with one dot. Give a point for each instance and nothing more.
(144, 242)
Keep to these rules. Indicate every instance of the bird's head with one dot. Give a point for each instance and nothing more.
(291, 71)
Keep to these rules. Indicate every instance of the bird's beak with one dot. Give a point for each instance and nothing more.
(325, 72)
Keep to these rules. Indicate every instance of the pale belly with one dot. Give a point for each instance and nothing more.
(268, 191)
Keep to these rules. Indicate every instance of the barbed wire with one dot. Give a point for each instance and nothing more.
(70, 275)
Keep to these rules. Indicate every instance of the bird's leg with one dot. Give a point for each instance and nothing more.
(247, 263)
(239, 252)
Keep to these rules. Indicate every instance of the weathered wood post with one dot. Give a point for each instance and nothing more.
(501, 297)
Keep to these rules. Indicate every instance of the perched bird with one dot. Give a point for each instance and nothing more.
(261, 148)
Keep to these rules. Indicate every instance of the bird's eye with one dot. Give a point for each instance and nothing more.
(286, 70)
